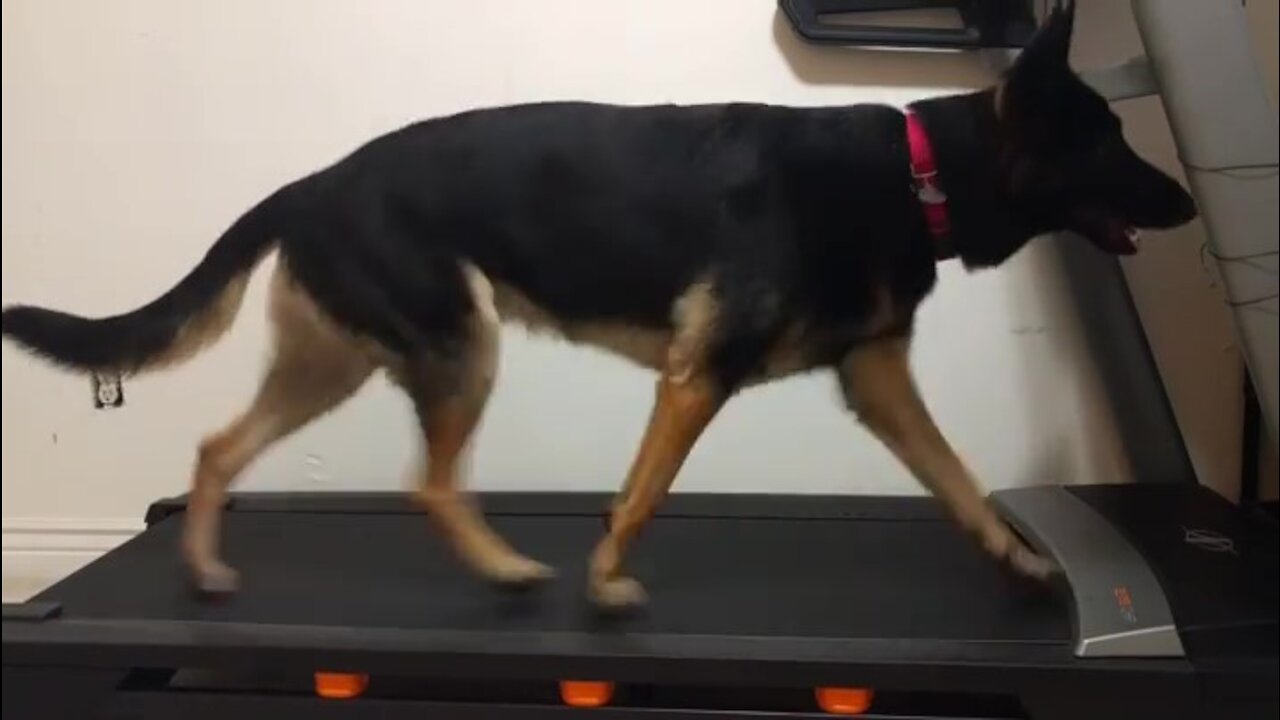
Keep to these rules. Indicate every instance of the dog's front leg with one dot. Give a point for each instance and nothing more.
(878, 386)
(684, 407)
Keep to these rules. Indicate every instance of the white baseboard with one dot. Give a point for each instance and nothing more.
(41, 551)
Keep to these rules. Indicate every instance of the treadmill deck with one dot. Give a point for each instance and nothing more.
(900, 575)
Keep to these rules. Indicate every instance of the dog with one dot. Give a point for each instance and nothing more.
(722, 246)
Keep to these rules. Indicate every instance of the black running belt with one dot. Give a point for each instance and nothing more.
(903, 576)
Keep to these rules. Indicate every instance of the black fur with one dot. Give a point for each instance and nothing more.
(608, 213)
(126, 342)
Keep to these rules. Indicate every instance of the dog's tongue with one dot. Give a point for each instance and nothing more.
(1124, 238)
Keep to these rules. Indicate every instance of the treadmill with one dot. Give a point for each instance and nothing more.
(762, 606)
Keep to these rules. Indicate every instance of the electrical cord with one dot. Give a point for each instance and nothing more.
(1234, 171)
(1250, 259)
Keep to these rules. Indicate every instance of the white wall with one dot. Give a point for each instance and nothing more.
(136, 130)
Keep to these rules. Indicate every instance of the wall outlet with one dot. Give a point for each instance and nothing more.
(108, 391)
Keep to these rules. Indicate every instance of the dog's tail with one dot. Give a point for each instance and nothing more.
(170, 329)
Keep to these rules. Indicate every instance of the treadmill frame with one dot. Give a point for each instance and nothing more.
(97, 663)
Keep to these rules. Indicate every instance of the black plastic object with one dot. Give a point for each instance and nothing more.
(32, 611)
(987, 23)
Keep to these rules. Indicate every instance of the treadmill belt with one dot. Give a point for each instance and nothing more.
(758, 577)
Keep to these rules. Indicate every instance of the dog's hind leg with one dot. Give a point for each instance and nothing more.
(316, 366)
(450, 387)
(878, 386)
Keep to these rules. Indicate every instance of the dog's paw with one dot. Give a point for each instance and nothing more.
(216, 579)
(617, 594)
(1005, 546)
(1028, 563)
(518, 572)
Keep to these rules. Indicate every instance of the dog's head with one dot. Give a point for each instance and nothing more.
(1065, 159)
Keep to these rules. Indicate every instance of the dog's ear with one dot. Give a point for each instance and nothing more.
(1052, 43)
(1037, 77)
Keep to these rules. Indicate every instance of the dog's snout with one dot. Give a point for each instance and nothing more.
(1186, 208)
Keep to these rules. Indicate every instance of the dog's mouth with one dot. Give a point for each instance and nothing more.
(1109, 232)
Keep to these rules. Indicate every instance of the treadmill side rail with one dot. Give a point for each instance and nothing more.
(1118, 606)
(32, 611)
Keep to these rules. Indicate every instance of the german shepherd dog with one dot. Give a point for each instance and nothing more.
(721, 245)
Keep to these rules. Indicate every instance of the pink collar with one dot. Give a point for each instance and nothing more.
(924, 175)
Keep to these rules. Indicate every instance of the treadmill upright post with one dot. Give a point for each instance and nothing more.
(1224, 126)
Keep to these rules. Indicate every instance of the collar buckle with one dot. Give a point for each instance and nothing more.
(929, 194)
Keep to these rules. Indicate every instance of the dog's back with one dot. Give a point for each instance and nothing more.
(607, 213)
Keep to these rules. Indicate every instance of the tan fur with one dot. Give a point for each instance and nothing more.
(450, 400)
(878, 386)
(647, 347)
(316, 366)
(681, 412)
(205, 327)
(687, 400)
(694, 316)
(486, 326)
